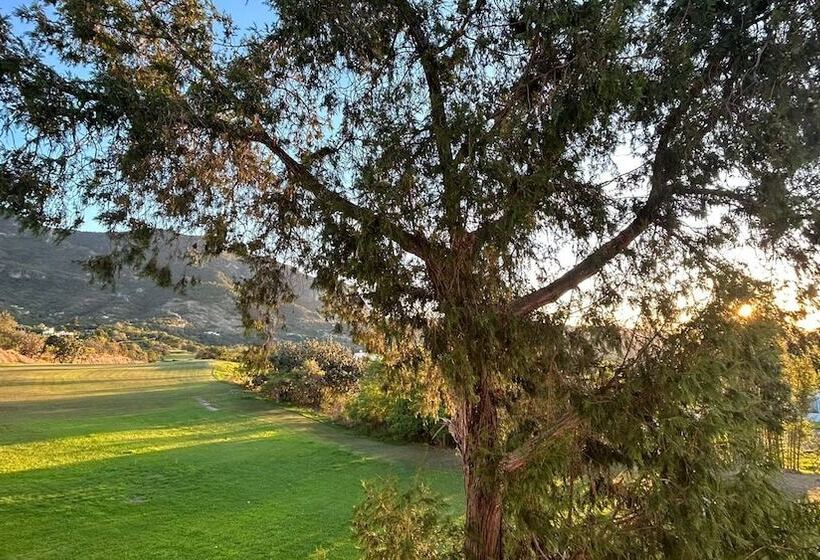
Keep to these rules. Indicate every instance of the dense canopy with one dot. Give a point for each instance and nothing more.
(452, 169)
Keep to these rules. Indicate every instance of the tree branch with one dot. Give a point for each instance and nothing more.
(593, 263)
(517, 460)
(462, 29)
(428, 57)
(665, 160)
(413, 243)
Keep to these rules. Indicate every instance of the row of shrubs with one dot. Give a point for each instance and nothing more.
(224, 353)
(119, 342)
(368, 393)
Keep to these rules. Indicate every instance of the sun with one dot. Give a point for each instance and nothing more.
(745, 311)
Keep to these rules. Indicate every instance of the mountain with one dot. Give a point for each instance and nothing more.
(43, 282)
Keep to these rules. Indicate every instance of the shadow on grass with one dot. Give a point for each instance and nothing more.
(112, 462)
(232, 488)
(67, 421)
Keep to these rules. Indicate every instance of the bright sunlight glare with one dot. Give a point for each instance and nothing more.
(745, 311)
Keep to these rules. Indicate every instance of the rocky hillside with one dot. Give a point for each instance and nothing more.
(43, 282)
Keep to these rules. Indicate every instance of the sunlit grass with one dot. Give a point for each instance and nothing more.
(94, 447)
(133, 465)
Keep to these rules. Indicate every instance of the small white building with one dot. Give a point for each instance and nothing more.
(814, 409)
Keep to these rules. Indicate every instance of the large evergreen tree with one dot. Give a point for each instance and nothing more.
(458, 170)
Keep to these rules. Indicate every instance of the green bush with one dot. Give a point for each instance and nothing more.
(341, 369)
(304, 373)
(65, 348)
(395, 399)
(412, 525)
(226, 353)
(302, 385)
(397, 410)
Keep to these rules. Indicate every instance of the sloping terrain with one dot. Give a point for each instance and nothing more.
(43, 282)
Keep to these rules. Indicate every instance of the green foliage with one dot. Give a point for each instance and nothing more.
(302, 384)
(449, 172)
(384, 397)
(801, 371)
(65, 348)
(383, 405)
(340, 369)
(391, 524)
(225, 353)
(667, 459)
(307, 373)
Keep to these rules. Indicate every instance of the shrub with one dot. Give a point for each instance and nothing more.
(300, 385)
(389, 404)
(65, 348)
(13, 337)
(411, 525)
(30, 344)
(341, 369)
(308, 373)
(226, 353)
(209, 353)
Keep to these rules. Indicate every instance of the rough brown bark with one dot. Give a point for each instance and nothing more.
(482, 477)
(483, 524)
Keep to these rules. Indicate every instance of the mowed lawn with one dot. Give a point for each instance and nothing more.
(162, 461)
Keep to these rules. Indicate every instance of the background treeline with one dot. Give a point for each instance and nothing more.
(389, 395)
(120, 342)
(794, 441)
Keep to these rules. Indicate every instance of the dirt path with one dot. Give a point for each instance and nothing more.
(801, 484)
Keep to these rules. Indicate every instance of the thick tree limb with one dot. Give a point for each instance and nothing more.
(431, 65)
(412, 243)
(415, 244)
(593, 263)
(665, 160)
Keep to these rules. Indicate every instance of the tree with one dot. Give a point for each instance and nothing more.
(452, 169)
(66, 348)
(15, 337)
(801, 371)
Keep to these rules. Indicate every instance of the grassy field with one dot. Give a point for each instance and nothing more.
(162, 461)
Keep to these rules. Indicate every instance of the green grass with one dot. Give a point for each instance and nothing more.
(128, 462)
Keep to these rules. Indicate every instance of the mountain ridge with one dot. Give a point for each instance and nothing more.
(36, 275)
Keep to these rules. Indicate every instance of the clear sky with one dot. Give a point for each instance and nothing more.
(245, 14)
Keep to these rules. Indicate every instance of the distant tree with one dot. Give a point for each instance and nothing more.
(801, 371)
(30, 344)
(449, 169)
(8, 330)
(66, 348)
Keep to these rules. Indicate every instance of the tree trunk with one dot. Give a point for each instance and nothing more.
(482, 482)
(483, 527)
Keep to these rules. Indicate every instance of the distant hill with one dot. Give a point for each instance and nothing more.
(43, 282)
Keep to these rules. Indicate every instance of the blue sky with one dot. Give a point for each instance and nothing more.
(245, 14)
(249, 13)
